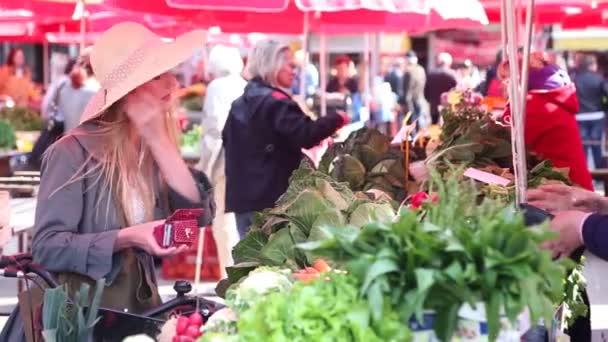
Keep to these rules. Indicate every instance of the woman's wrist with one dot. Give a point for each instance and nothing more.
(124, 240)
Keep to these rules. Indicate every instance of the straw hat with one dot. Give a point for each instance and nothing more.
(129, 55)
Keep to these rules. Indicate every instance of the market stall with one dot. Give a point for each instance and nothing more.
(407, 240)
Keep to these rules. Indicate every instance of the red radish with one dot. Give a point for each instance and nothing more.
(196, 319)
(182, 324)
(311, 270)
(193, 331)
(182, 338)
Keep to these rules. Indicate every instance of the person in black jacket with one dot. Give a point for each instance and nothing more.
(438, 82)
(591, 88)
(265, 134)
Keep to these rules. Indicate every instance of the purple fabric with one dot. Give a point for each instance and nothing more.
(549, 77)
(595, 235)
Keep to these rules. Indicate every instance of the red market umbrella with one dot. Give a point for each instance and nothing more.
(545, 11)
(261, 6)
(331, 16)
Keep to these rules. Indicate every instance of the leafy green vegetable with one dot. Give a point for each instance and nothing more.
(366, 160)
(7, 135)
(258, 283)
(326, 310)
(22, 119)
(312, 201)
(64, 320)
(462, 251)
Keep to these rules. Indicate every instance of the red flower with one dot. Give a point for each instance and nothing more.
(420, 198)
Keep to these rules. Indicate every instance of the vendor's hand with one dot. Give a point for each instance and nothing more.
(568, 224)
(142, 236)
(147, 113)
(559, 197)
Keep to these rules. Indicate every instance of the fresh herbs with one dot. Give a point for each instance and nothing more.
(461, 252)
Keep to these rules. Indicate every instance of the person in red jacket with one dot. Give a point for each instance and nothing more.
(551, 130)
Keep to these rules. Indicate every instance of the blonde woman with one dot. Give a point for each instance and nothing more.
(225, 65)
(265, 133)
(107, 184)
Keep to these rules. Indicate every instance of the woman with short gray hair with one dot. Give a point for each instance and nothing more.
(225, 66)
(265, 133)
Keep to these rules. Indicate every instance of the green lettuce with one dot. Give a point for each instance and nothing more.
(326, 310)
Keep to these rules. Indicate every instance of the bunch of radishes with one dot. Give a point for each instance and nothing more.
(188, 329)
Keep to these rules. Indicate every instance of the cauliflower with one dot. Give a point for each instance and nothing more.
(259, 282)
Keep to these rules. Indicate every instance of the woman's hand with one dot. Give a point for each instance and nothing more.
(148, 114)
(569, 225)
(142, 236)
(559, 197)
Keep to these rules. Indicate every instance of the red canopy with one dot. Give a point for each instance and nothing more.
(271, 6)
(336, 16)
(545, 11)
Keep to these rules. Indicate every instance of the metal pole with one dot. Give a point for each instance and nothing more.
(323, 71)
(83, 27)
(45, 62)
(520, 159)
(503, 29)
(303, 85)
(517, 140)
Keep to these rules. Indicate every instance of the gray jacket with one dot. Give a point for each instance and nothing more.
(71, 233)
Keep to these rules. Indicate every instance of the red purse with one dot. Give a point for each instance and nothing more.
(181, 228)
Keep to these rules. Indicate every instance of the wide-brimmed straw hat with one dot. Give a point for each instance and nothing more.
(129, 55)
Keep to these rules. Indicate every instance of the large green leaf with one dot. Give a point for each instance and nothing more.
(305, 209)
(349, 169)
(338, 200)
(329, 218)
(279, 248)
(377, 269)
(370, 212)
(240, 270)
(249, 248)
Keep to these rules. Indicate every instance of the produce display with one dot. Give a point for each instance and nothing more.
(449, 252)
(312, 201)
(471, 137)
(22, 119)
(190, 141)
(366, 160)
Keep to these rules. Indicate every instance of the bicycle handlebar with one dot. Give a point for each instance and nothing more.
(14, 260)
(18, 265)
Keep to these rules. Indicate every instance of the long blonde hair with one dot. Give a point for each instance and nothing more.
(125, 169)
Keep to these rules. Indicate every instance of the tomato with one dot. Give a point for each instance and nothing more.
(182, 324)
(193, 331)
(196, 319)
(321, 266)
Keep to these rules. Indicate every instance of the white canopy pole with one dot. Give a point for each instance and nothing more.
(303, 85)
(323, 71)
(517, 102)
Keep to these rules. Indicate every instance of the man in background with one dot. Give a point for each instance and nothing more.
(311, 74)
(591, 88)
(438, 82)
(414, 83)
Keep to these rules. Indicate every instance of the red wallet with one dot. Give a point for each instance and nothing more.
(179, 229)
